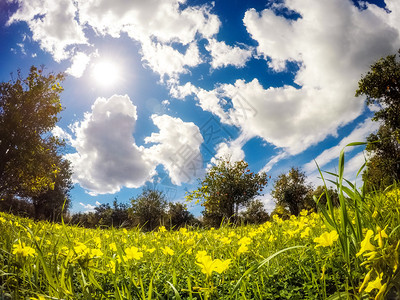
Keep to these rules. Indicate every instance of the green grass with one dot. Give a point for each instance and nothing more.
(314, 256)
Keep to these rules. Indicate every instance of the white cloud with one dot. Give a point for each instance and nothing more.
(274, 160)
(62, 134)
(79, 64)
(107, 157)
(334, 43)
(177, 148)
(224, 55)
(165, 60)
(88, 207)
(231, 149)
(181, 91)
(53, 25)
(163, 20)
(156, 25)
(359, 134)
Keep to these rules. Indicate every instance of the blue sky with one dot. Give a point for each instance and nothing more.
(157, 90)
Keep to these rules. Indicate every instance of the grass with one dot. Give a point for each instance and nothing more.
(350, 252)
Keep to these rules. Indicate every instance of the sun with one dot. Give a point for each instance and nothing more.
(106, 73)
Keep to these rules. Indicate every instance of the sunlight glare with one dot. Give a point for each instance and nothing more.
(106, 73)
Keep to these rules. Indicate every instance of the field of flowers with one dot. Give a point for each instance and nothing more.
(300, 258)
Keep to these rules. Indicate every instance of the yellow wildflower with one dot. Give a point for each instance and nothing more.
(167, 251)
(22, 250)
(304, 212)
(244, 241)
(376, 284)
(112, 266)
(242, 249)
(113, 247)
(162, 229)
(366, 244)
(133, 253)
(208, 265)
(381, 234)
(226, 240)
(366, 280)
(96, 252)
(305, 232)
(326, 239)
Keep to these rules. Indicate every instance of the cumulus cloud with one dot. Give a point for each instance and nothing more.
(333, 43)
(224, 55)
(88, 207)
(107, 157)
(165, 60)
(163, 20)
(157, 25)
(177, 148)
(231, 149)
(359, 134)
(79, 64)
(53, 25)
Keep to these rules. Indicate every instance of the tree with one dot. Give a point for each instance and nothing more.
(178, 215)
(291, 191)
(148, 209)
(381, 86)
(55, 202)
(320, 194)
(255, 213)
(226, 187)
(28, 112)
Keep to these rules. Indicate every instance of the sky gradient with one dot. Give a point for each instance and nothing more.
(157, 90)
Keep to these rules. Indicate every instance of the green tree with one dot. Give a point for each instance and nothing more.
(291, 191)
(255, 213)
(320, 194)
(148, 209)
(55, 202)
(28, 112)
(179, 216)
(226, 187)
(381, 86)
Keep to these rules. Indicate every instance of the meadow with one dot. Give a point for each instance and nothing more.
(302, 257)
(346, 252)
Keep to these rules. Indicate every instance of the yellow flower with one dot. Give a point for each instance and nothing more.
(304, 212)
(97, 240)
(376, 284)
(162, 229)
(244, 241)
(242, 249)
(112, 266)
(113, 247)
(22, 250)
(381, 234)
(81, 249)
(305, 232)
(167, 251)
(366, 280)
(133, 253)
(366, 244)
(226, 240)
(326, 239)
(208, 265)
(96, 252)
